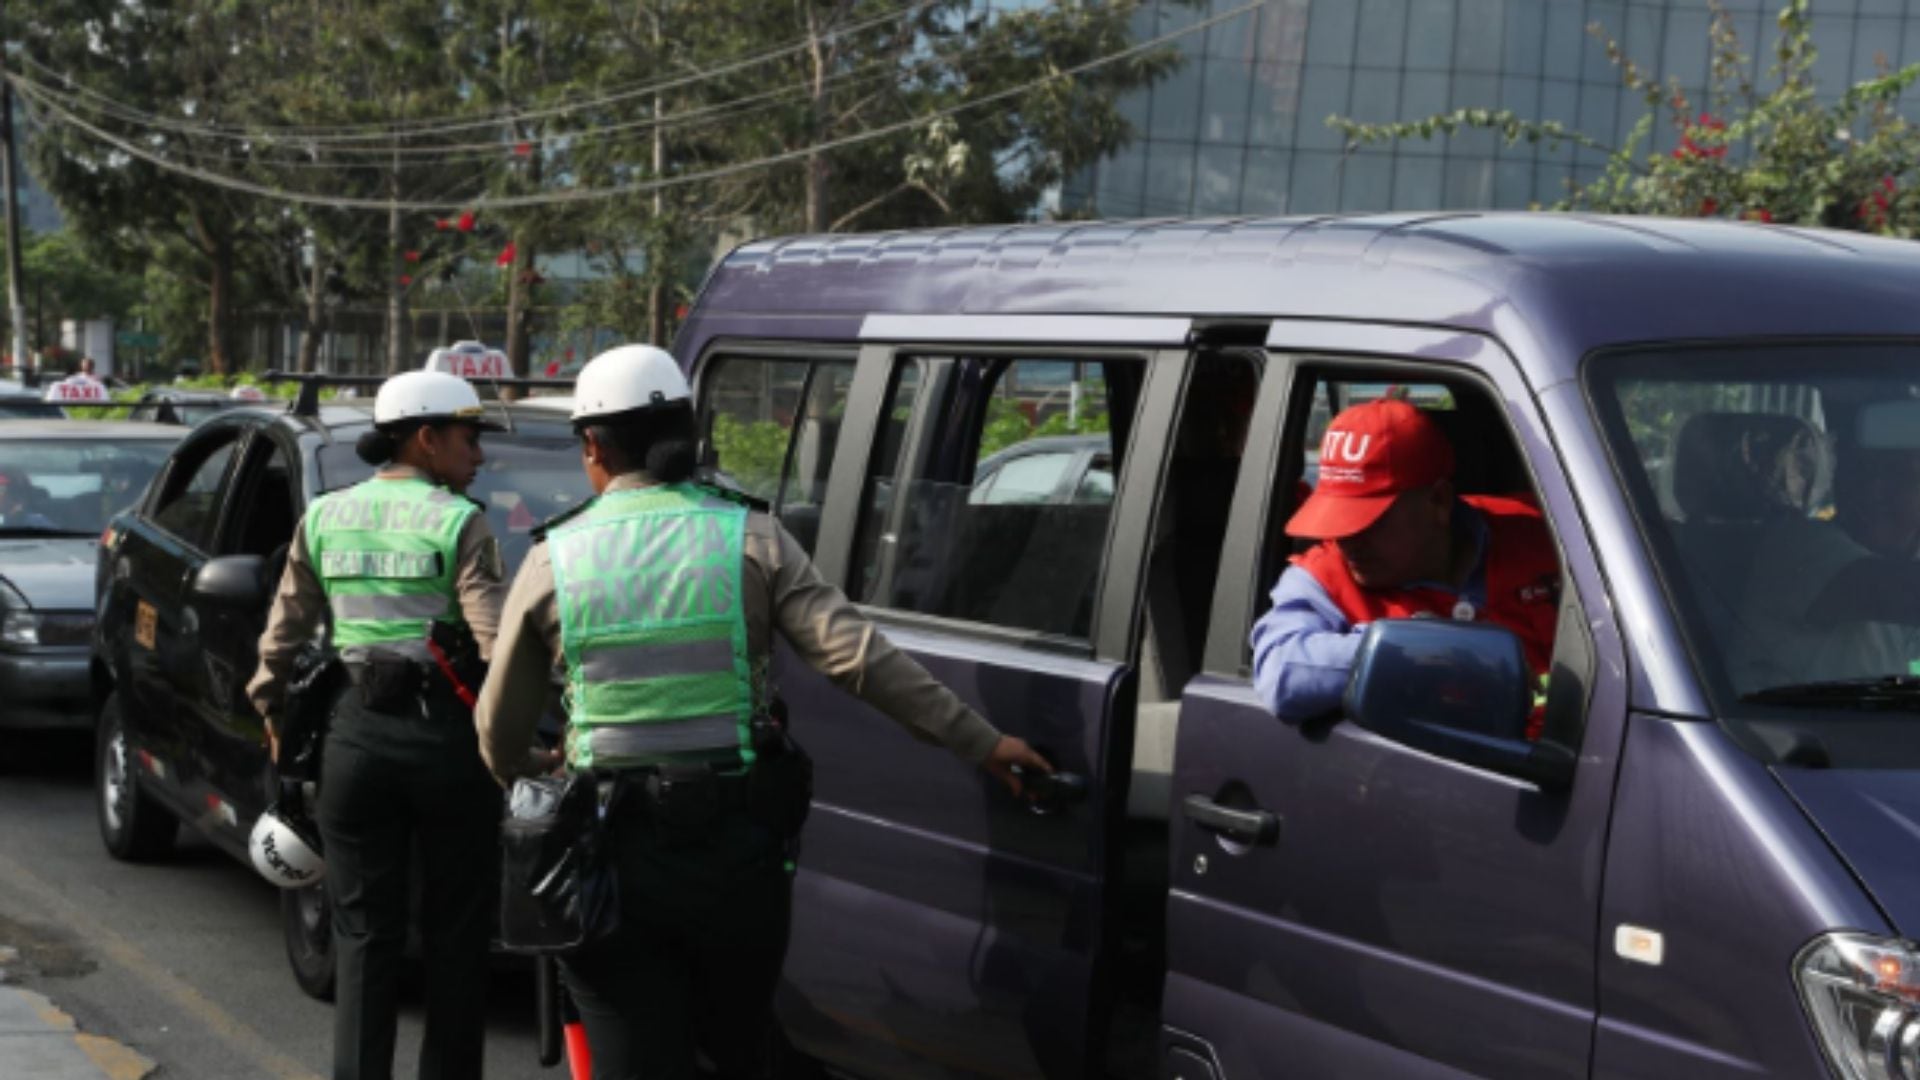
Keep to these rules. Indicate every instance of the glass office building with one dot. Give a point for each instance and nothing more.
(1241, 127)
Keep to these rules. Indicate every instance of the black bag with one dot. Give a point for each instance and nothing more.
(558, 889)
(780, 783)
(318, 678)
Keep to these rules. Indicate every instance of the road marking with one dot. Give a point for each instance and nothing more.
(237, 1034)
(118, 1062)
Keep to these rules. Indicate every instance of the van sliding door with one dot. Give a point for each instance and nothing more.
(985, 507)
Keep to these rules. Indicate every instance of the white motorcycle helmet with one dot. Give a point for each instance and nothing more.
(284, 853)
(429, 395)
(627, 378)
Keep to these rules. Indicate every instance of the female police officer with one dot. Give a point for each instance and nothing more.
(655, 605)
(381, 561)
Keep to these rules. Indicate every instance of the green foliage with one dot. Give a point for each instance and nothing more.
(752, 453)
(1777, 155)
(1008, 424)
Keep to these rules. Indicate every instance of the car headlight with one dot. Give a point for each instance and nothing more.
(20, 628)
(1863, 993)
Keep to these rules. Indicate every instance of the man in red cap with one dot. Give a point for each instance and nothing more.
(1397, 542)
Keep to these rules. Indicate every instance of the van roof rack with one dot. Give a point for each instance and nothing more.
(307, 402)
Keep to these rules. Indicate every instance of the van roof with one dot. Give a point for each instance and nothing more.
(1571, 282)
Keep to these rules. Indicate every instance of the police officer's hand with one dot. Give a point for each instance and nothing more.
(1011, 751)
(273, 741)
(544, 762)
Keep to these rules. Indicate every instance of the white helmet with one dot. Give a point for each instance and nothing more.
(283, 852)
(428, 395)
(626, 378)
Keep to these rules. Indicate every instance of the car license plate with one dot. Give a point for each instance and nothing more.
(145, 620)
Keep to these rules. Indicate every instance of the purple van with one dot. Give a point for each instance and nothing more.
(1707, 866)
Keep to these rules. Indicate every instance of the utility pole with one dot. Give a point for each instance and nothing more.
(657, 292)
(16, 302)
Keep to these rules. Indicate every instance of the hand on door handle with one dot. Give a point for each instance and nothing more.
(1246, 826)
(1049, 793)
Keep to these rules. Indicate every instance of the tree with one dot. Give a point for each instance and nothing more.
(1780, 155)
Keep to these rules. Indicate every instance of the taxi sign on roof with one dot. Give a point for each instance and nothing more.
(470, 360)
(247, 393)
(78, 388)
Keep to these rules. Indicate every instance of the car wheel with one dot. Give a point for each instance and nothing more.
(133, 825)
(307, 920)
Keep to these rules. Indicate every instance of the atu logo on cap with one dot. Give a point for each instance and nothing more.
(1343, 456)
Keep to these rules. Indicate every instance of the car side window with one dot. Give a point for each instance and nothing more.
(980, 518)
(773, 423)
(263, 519)
(190, 501)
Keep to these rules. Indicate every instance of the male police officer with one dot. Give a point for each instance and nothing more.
(655, 605)
(1396, 542)
(380, 561)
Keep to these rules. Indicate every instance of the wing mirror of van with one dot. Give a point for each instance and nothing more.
(1457, 690)
(236, 580)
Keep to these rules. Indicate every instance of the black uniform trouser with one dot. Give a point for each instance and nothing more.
(697, 957)
(392, 786)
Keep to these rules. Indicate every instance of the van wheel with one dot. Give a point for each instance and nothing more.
(307, 920)
(133, 825)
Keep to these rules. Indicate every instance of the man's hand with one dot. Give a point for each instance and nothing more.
(1011, 751)
(544, 762)
(273, 741)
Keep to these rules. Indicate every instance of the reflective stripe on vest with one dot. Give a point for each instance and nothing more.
(386, 551)
(647, 582)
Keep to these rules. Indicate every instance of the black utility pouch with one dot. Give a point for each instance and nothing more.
(683, 801)
(558, 890)
(318, 678)
(780, 784)
(390, 683)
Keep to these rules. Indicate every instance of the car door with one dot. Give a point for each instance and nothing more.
(257, 519)
(159, 671)
(1342, 905)
(941, 927)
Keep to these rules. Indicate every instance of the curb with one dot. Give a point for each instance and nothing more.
(37, 1039)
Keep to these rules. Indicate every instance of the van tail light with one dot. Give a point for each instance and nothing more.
(1863, 996)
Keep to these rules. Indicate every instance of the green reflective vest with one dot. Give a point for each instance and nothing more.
(387, 553)
(647, 582)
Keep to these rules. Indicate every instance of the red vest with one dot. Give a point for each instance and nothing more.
(1522, 572)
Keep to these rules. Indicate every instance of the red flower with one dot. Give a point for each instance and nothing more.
(523, 149)
(680, 312)
(1708, 207)
(466, 221)
(1760, 214)
(506, 255)
(410, 256)
(406, 279)
(554, 368)
(441, 224)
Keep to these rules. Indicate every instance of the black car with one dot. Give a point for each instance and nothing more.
(185, 580)
(60, 480)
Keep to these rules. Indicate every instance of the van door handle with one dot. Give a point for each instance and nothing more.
(1050, 793)
(1247, 826)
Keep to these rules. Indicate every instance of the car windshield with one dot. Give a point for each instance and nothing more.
(28, 409)
(525, 481)
(72, 486)
(1779, 488)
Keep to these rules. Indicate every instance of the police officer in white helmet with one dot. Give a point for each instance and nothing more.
(400, 570)
(667, 694)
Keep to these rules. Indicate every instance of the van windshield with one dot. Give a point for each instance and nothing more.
(1779, 487)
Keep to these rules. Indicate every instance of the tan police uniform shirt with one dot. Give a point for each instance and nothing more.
(300, 604)
(782, 592)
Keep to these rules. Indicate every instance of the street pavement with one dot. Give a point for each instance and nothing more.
(169, 970)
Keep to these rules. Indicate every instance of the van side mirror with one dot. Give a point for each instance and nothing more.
(234, 580)
(1457, 690)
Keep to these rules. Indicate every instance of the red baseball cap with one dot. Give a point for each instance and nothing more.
(1371, 454)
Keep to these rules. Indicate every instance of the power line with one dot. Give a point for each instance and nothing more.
(371, 132)
(589, 194)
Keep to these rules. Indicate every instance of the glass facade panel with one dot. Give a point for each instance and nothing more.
(1242, 127)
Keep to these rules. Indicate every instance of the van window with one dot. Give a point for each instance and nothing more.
(996, 510)
(773, 425)
(1488, 469)
(1779, 489)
